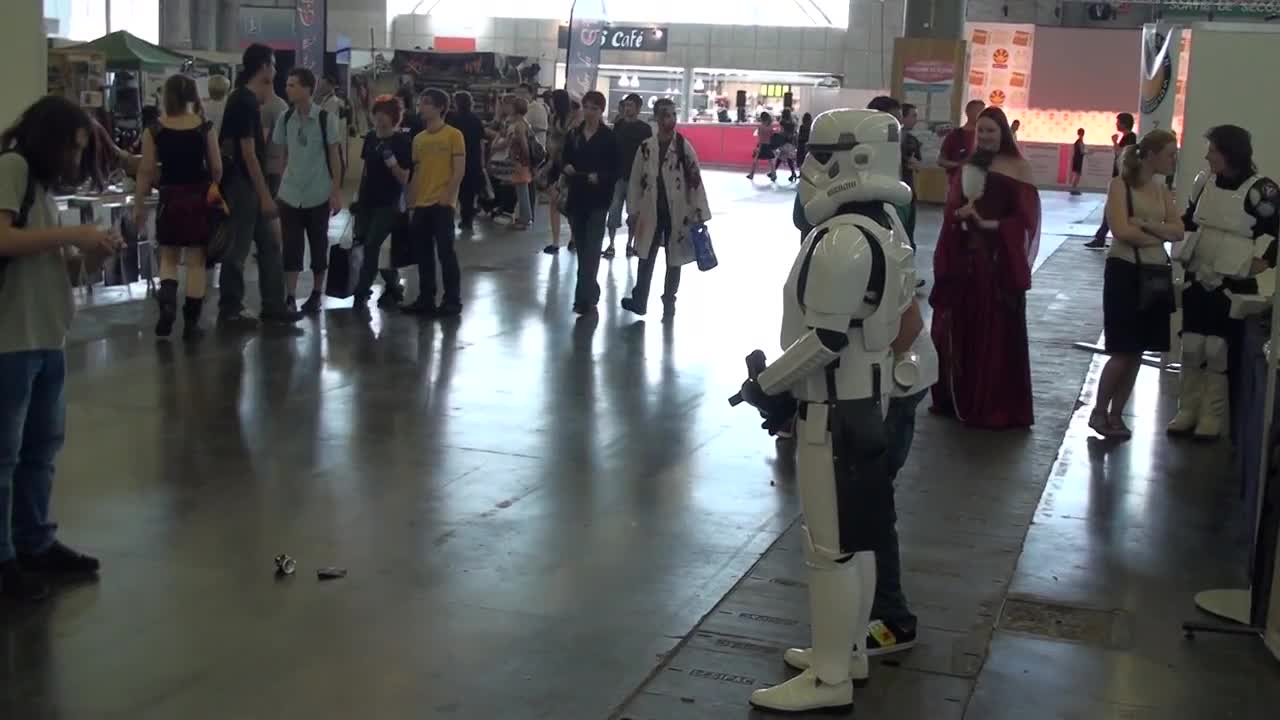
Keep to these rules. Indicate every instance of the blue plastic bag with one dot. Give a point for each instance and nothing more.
(703, 251)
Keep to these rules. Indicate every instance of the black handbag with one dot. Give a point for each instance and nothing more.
(344, 271)
(1155, 282)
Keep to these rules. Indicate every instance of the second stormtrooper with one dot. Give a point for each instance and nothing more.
(849, 321)
(1233, 219)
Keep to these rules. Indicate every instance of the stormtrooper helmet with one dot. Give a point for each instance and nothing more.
(855, 156)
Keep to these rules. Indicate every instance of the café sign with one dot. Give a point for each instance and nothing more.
(626, 38)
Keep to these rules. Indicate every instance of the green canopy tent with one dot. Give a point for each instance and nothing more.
(129, 52)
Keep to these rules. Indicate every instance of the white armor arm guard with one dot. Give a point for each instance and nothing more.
(806, 356)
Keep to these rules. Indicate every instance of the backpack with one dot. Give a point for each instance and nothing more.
(324, 133)
(24, 207)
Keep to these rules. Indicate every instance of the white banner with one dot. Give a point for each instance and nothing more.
(1157, 76)
(1000, 63)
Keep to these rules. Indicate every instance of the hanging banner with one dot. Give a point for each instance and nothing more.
(1000, 63)
(587, 25)
(1157, 76)
(311, 35)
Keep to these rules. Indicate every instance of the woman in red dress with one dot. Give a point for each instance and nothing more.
(982, 270)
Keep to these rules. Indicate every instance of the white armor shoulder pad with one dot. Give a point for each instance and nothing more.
(834, 272)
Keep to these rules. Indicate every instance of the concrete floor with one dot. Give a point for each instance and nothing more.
(536, 510)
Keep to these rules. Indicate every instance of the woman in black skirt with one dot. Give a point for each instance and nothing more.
(185, 148)
(1142, 217)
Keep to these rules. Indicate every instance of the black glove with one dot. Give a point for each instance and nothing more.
(777, 410)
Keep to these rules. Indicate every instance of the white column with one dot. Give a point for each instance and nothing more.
(175, 24)
(23, 52)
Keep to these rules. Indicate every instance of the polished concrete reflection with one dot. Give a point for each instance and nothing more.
(536, 509)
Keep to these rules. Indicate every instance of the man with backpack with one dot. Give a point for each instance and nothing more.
(311, 189)
(630, 131)
(666, 199)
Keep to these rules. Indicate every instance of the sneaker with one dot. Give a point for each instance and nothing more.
(631, 250)
(238, 321)
(419, 307)
(584, 309)
(551, 249)
(632, 307)
(391, 298)
(284, 317)
(59, 560)
(21, 586)
(313, 304)
(1096, 244)
(608, 253)
(572, 246)
(668, 310)
(751, 176)
(884, 638)
(773, 177)
(448, 310)
(920, 283)
(1076, 193)
(291, 304)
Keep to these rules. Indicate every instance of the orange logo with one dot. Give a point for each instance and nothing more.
(1000, 57)
(996, 97)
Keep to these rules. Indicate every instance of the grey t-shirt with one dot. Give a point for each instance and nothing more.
(35, 290)
(272, 110)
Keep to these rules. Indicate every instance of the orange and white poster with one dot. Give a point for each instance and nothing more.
(1000, 63)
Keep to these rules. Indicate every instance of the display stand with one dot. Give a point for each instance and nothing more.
(1247, 608)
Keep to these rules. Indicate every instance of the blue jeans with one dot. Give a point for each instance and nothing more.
(891, 602)
(524, 202)
(33, 415)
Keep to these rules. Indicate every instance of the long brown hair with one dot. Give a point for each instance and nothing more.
(1008, 145)
(180, 93)
(1152, 143)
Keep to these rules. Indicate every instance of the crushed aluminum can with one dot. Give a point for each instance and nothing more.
(331, 573)
(285, 565)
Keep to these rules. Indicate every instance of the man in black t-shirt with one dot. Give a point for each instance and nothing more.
(472, 129)
(1122, 140)
(388, 162)
(629, 131)
(253, 209)
(1077, 161)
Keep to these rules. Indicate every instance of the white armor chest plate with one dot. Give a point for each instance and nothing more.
(1224, 243)
(863, 368)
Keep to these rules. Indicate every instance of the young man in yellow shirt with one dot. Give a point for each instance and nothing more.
(439, 164)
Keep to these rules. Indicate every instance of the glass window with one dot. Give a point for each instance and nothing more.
(85, 20)
(801, 13)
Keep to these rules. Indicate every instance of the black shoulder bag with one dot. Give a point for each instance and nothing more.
(1155, 282)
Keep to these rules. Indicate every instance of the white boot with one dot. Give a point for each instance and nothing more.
(836, 615)
(802, 658)
(1213, 410)
(1189, 401)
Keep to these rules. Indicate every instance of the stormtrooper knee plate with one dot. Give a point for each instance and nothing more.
(1213, 394)
(1190, 385)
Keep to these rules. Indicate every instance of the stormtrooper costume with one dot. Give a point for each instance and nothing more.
(843, 301)
(1230, 226)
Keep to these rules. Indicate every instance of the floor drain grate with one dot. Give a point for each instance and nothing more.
(1088, 626)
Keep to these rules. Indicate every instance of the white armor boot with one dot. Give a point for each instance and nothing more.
(860, 663)
(1191, 386)
(842, 308)
(1213, 407)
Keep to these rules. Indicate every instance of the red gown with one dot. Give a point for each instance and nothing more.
(981, 278)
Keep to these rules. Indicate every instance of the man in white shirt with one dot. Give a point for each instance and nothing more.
(537, 115)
